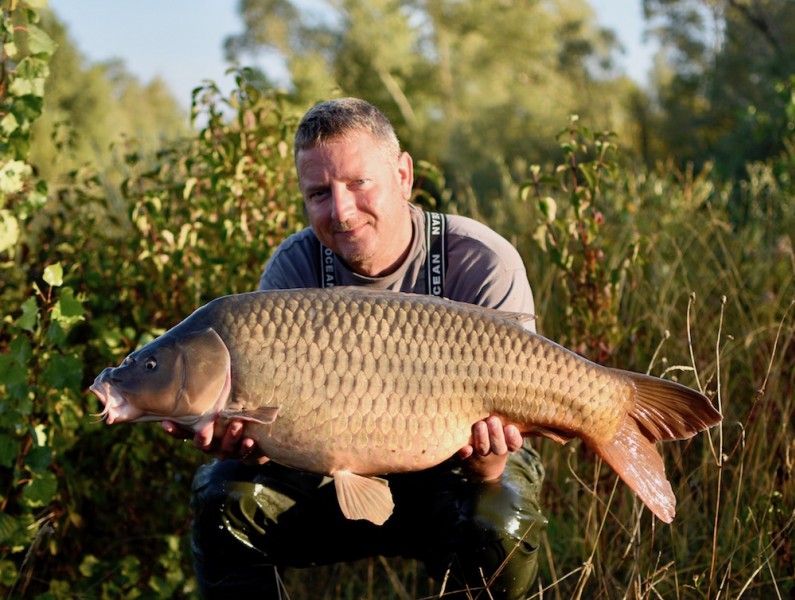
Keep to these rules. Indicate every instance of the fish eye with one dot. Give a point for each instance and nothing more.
(150, 364)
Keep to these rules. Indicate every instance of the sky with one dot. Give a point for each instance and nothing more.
(181, 41)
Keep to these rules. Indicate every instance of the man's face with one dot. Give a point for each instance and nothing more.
(356, 199)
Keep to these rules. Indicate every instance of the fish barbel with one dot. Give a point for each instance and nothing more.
(354, 383)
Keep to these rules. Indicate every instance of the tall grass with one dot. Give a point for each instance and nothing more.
(706, 298)
(661, 271)
(709, 302)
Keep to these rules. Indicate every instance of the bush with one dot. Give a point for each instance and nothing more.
(651, 270)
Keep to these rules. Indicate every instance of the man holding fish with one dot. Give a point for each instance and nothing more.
(474, 520)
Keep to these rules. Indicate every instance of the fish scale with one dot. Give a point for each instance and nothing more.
(465, 360)
(355, 383)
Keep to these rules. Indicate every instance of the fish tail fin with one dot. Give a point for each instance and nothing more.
(663, 410)
(666, 410)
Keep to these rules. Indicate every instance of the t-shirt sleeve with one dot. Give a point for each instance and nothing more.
(293, 265)
(485, 269)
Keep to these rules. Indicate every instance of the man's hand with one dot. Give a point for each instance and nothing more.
(485, 457)
(221, 442)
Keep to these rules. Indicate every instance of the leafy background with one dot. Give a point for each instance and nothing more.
(666, 247)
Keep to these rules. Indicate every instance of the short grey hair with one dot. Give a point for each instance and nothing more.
(342, 118)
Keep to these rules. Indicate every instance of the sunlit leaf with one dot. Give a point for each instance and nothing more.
(9, 230)
(53, 275)
(39, 42)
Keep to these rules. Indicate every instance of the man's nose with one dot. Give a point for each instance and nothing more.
(343, 204)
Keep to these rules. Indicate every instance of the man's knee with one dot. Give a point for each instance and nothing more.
(502, 537)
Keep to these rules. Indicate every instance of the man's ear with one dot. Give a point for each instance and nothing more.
(406, 173)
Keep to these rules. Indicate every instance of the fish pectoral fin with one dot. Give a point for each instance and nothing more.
(362, 497)
(556, 435)
(264, 415)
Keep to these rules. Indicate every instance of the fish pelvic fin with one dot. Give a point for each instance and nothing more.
(663, 410)
(360, 497)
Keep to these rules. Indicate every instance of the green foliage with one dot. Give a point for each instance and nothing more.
(726, 83)
(707, 302)
(569, 233)
(470, 86)
(89, 272)
(673, 270)
(92, 115)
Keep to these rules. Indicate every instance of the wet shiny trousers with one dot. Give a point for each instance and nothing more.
(250, 522)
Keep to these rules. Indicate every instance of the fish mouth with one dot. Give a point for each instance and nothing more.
(116, 408)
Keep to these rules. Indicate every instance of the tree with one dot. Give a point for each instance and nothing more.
(723, 84)
(476, 87)
(89, 109)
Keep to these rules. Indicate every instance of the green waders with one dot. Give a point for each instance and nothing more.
(250, 522)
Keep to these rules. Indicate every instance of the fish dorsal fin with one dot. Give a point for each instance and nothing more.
(362, 497)
(526, 320)
(264, 415)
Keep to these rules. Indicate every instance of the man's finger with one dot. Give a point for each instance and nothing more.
(231, 440)
(513, 438)
(496, 436)
(203, 439)
(480, 438)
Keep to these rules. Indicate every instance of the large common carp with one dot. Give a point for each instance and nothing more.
(355, 383)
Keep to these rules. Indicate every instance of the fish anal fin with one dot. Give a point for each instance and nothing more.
(264, 415)
(666, 410)
(362, 497)
(637, 462)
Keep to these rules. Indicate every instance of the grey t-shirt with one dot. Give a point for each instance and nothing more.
(483, 268)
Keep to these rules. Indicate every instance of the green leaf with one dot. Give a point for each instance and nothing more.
(14, 375)
(9, 124)
(66, 313)
(8, 570)
(8, 451)
(589, 172)
(8, 527)
(62, 372)
(30, 315)
(11, 372)
(53, 275)
(549, 208)
(11, 49)
(39, 42)
(40, 490)
(89, 565)
(39, 459)
(21, 351)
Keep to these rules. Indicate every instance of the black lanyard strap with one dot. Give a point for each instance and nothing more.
(435, 260)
